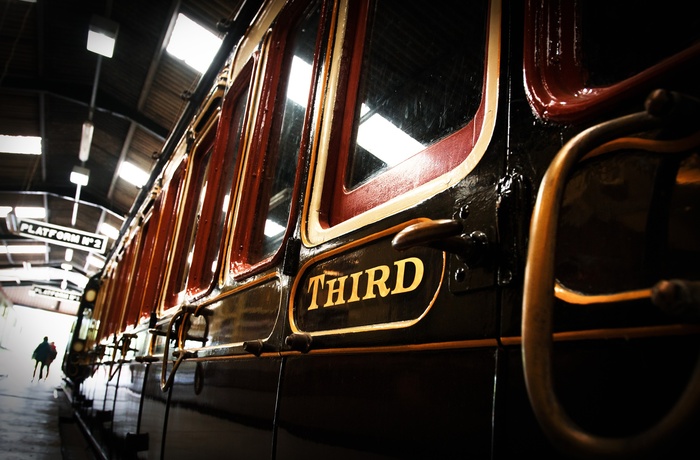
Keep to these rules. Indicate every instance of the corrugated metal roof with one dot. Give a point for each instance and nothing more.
(48, 83)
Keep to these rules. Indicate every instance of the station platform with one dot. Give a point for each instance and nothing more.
(36, 417)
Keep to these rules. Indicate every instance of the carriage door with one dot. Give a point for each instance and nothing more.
(389, 350)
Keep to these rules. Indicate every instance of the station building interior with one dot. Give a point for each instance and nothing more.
(89, 91)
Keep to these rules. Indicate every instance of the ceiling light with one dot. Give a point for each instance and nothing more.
(80, 175)
(24, 212)
(69, 254)
(23, 249)
(193, 43)
(67, 267)
(133, 174)
(85, 141)
(102, 35)
(108, 230)
(27, 145)
(30, 212)
(95, 261)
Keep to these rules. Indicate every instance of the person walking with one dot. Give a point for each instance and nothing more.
(40, 355)
(49, 359)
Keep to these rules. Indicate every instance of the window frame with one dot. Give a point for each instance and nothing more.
(222, 158)
(272, 70)
(172, 193)
(391, 191)
(556, 87)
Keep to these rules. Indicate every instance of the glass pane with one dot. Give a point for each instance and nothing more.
(274, 203)
(225, 187)
(193, 211)
(418, 84)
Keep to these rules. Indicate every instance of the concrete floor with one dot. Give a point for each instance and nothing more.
(36, 419)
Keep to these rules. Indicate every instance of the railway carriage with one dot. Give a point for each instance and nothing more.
(413, 229)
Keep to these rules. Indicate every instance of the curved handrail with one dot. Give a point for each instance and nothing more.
(124, 346)
(166, 382)
(538, 300)
(184, 312)
(115, 346)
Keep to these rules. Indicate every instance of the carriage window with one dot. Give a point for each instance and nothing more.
(146, 283)
(410, 105)
(572, 75)
(270, 177)
(190, 217)
(164, 215)
(132, 306)
(414, 88)
(116, 297)
(220, 178)
(103, 304)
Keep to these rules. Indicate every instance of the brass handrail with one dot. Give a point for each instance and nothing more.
(538, 301)
(182, 335)
(166, 382)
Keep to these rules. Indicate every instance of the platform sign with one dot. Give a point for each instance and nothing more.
(62, 236)
(58, 294)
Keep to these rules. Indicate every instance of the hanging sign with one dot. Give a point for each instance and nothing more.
(63, 236)
(59, 294)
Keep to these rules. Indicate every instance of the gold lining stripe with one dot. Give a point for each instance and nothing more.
(477, 343)
(592, 334)
(616, 333)
(569, 296)
(458, 344)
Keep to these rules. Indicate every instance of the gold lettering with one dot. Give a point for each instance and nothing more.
(380, 283)
(314, 283)
(332, 291)
(401, 269)
(355, 283)
(377, 278)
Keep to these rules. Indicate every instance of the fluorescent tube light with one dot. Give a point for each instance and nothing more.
(80, 175)
(95, 261)
(24, 212)
(86, 141)
(23, 249)
(102, 35)
(193, 44)
(26, 145)
(109, 231)
(133, 174)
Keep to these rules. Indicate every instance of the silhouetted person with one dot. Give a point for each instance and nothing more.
(40, 355)
(52, 355)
